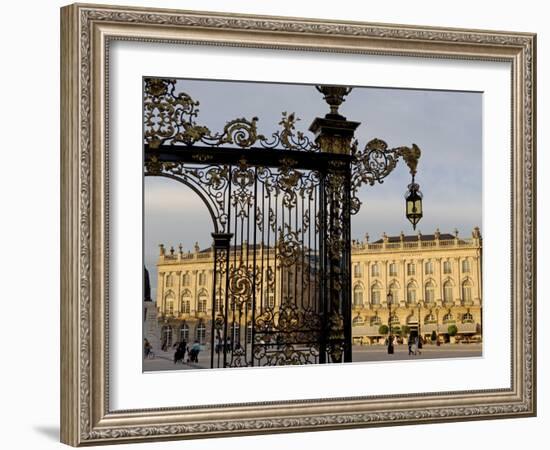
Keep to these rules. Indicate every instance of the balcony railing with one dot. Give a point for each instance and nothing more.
(412, 245)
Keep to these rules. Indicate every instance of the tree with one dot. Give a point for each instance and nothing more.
(405, 329)
(383, 329)
(452, 330)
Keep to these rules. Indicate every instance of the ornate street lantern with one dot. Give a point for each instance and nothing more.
(413, 203)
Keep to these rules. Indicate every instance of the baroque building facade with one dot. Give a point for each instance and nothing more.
(435, 281)
(187, 303)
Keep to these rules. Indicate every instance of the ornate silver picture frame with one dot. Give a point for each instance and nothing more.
(88, 33)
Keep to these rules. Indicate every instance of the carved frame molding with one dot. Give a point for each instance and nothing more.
(86, 31)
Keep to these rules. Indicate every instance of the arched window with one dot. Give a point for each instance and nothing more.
(393, 270)
(429, 292)
(184, 332)
(394, 320)
(430, 318)
(448, 318)
(447, 268)
(411, 292)
(394, 291)
(447, 292)
(412, 319)
(167, 335)
(375, 293)
(203, 300)
(357, 321)
(186, 302)
(429, 268)
(375, 321)
(169, 303)
(468, 318)
(467, 291)
(465, 265)
(358, 296)
(201, 332)
(375, 270)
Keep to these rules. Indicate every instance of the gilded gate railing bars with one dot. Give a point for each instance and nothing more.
(247, 180)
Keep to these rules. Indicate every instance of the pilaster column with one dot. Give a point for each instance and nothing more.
(195, 283)
(404, 282)
(367, 287)
(439, 276)
(456, 274)
(420, 265)
(478, 271)
(178, 290)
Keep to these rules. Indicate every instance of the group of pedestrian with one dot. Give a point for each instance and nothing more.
(192, 352)
(415, 345)
(414, 342)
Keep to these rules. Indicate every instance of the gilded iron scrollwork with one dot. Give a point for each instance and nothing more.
(211, 182)
(170, 118)
(375, 162)
(288, 138)
(241, 284)
(281, 289)
(287, 334)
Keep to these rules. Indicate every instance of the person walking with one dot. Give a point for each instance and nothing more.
(194, 352)
(146, 347)
(418, 343)
(410, 343)
(390, 345)
(179, 355)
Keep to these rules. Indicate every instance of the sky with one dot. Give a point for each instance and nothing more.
(446, 125)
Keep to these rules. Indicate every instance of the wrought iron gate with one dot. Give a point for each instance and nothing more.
(281, 216)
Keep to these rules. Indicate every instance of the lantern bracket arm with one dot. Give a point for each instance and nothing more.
(375, 162)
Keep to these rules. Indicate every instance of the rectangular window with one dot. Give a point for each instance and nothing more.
(411, 269)
(357, 271)
(393, 270)
(169, 280)
(447, 267)
(202, 306)
(375, 271)
(185, 280)
(429, 268)
(202, 279)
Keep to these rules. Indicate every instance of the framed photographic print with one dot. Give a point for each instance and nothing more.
(277, 224)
